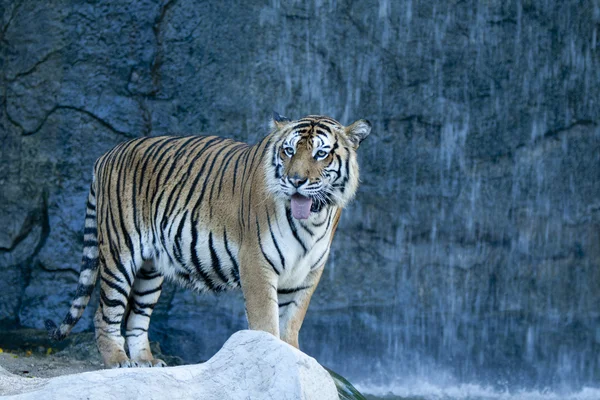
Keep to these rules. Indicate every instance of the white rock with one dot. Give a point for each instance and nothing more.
(251, 365)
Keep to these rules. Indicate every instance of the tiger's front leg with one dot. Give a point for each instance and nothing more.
(293, 303)
(259, 285)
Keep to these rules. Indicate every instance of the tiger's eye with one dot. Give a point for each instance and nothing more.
(289, 151)
(321, 154)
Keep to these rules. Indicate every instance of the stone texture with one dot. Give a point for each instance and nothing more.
(472, 247)
(250, 365)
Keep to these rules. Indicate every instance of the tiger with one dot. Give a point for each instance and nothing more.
(212, 214)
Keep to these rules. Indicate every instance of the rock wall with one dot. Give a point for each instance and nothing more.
(472, 249)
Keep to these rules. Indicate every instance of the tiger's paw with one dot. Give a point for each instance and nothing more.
(158, 363)
(122, 364)
(154, 363)
(117, 359)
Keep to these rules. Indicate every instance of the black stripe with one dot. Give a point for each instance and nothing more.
(160, 185)
(318, 224)
(69, 320)
(111, 302)
(90, 231)
(139, 304)
(302, 125)
(192, 190)
(88, 263)
(84, 290)
(292, 290)
(235, 167)
(319, 260)
(339, 168)
(184, 276)
(207, 146)
(322, 126)
(288, 214)
(177, 251)
(110, 273)
(175, 211)
(287, 303)
(261, 248)
(347, 168)
(207, 179)
(246, 187)
(115, 247)
(138, 329)
(255, 150)
(322, 135)
(119, 264)
(265, 143)
(149, 156)
(147, 292)
(274, 240)
(196, 261)
(177, 156)
(90, 206)
(148, 274)
(134, 209)
(159, 166)
(228, 157)
(327, 227)
(275, 160)
(236, 268)
(121, 179)
(275, 155)
(137, 311)
(110, 321)
(243, 188)
(216, 263)
(116, 287)
(306, 229)
(168, 209)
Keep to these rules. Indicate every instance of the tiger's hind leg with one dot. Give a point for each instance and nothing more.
(146, 291)
(115, 285)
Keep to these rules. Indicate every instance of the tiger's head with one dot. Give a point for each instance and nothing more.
(313, 162)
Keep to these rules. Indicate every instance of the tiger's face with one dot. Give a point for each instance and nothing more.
(313, 162)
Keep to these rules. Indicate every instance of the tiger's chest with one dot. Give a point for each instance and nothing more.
(297, 247)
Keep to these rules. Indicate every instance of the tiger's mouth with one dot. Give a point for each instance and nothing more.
(301, 206)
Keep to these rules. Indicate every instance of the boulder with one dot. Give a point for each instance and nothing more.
(250, 365)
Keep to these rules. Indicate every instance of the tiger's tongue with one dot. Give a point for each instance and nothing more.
(301, 206)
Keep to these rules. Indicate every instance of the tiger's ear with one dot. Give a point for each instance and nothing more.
(358, 131)
(279, 121)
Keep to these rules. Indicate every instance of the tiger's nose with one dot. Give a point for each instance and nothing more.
(296, 181)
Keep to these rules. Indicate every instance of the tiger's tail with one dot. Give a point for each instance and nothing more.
(87, 275)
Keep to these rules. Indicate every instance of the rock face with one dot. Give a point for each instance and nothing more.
(251, 364)
(472, 248)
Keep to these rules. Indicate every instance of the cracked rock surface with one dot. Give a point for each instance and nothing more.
(472, 246)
